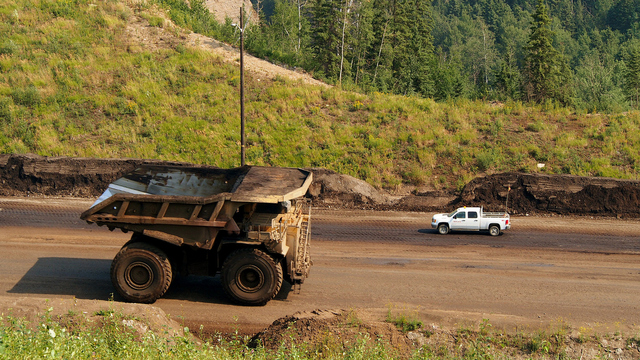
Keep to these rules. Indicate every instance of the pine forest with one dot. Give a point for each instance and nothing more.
(583, 54)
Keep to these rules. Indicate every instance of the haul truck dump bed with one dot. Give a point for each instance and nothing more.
(250, 224)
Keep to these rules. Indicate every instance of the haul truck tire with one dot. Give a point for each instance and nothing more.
(141, 273)
(251, 277)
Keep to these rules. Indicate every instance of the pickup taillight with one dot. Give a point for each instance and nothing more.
(507, 222)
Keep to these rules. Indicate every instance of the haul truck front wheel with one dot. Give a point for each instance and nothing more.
(251, 277)
(141, 273)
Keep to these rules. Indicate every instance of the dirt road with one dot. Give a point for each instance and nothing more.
(582, 271)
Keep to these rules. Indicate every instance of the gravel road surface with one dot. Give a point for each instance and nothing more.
(579, 270)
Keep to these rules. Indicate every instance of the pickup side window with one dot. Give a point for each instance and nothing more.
(473, 215)
(460, 215)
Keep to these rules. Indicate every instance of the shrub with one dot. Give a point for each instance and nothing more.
(8, 48)
(485, 160)
(404, 322)
(5, 110)
(536, 126)
(28, 96)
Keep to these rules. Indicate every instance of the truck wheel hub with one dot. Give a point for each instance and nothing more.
(250, 278)
(139, 275)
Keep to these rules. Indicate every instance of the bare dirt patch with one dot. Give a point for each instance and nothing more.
(318, 331)
(168, 36)
(223, 9)
(70, 312)
(327, 333)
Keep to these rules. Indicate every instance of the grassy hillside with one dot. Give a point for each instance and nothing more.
(74, 82)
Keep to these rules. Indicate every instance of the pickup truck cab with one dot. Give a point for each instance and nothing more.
(471, 219)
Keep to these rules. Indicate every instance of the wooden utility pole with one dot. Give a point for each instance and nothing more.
(242, 139)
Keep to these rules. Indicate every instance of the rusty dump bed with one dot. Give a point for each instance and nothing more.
(154, 196)
(198, 185)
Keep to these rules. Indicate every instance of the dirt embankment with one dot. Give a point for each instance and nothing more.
(560, 194)
(32, 175)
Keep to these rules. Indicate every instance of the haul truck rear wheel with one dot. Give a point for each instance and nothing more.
(251, 277)
(141, 273)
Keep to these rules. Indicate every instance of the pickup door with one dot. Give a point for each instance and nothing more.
(465, 220)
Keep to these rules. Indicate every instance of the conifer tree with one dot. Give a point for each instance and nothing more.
(413, 47)
(361, 37)
(508, 77)
(544, 69)
(381, 52)
(632, 79)
(326, 29)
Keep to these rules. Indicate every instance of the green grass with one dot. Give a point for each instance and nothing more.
(404, 322)
(113, 335)
(73, 83)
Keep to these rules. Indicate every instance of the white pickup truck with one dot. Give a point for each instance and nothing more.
(471, 219)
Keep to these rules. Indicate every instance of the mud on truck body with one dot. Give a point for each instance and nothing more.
(249, 224)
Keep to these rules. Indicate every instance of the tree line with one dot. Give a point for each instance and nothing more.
(579, 53)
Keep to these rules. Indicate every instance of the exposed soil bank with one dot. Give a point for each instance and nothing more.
(32, 175)
(561, 194)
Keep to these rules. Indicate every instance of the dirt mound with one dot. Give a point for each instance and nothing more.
(561, 194)
(332, 189)
(319, 331)
(28, 174)
(32, 175)
(138, 317)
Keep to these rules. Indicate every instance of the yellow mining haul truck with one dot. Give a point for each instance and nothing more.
(250, 224)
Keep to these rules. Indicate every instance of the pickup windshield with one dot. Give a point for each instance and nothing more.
(451, 213)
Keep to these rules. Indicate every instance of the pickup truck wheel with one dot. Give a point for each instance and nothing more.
(251, 277)
(141, 272)
(443, 229)
(494, 230)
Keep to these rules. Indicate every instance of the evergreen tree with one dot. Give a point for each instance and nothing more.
(623, 15)
(381, 51)
(361, 41)
(448, 83)
(545, 72)
(632, 79)
(284, 26)
(326, 29)
(413, 47)
(508, 78)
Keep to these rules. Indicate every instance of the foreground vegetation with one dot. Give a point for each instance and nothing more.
(112, 336)
(74, 82)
